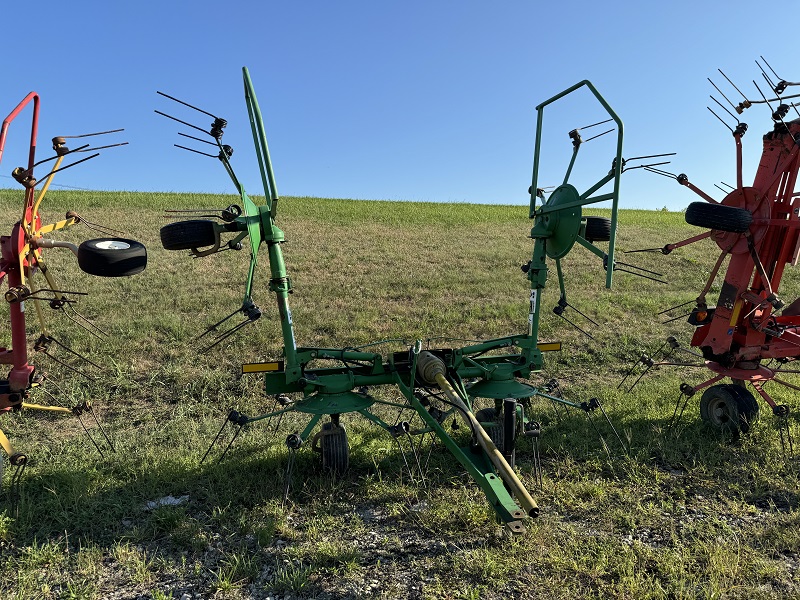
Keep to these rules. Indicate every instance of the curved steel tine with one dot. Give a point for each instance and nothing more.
(416, 459)
(212, 328)
(100, 426)
(91, 326)
(226, 335)
(70, 367)
(89, 435)
(95, 226)
(214, 441)
(71, 351)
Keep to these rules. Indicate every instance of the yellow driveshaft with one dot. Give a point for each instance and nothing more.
(432, 370)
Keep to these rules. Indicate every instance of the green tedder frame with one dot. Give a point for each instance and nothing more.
(335, 381)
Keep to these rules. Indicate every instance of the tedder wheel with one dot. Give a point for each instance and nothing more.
(335, 449)
(185, 235)
(718, 216)
(598, 229)
(495, 429)
(495, 433)
(729, 408)
(747, 404)
(485, 415)
(112, 257)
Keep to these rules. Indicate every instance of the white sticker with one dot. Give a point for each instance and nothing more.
(532, 312)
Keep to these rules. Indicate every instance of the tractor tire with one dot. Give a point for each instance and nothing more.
(719, 217)
(598, 229)
(112, 257)
(728, 408)
(185, 235)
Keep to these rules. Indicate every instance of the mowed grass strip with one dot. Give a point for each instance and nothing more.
(672, 512)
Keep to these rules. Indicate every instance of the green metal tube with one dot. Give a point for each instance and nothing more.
(492, 486)
(538, 276)
(266, 230)
(617, 176)
(571, 163)
(504, 342)
(279, 284)
(260, 138)
(591, 248)
(537, 145)
(561, 287)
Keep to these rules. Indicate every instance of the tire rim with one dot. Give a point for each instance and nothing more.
(113, 245)
(720, 412)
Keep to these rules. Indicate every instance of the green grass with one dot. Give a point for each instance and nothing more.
(686, 514)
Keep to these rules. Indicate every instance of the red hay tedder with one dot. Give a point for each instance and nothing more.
(757, 228)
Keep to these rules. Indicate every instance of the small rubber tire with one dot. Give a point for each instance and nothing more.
(185, 235)
(728, 408)
(511, 428)
(495, 429)
(335, 449)
(486, 415)
(598, 229)
(112, 257)
(719, 217)
(747, 404)
(495, 433)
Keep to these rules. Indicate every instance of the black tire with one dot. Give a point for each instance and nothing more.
(112, 257)
(747, 404)
(486, 415)
(185, 235)
(728, 408)
(495, 433)
(335, 449)
(719, 217)
(598, 229)
(511, 428)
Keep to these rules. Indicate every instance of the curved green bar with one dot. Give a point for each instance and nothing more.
(260, 139)
(261, 228)
(584, 199)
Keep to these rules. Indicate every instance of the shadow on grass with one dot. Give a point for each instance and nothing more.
(146, 494)
(104, 501)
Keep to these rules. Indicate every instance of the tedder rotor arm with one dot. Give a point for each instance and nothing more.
(262, 224)
(558, 222)
(21, 258)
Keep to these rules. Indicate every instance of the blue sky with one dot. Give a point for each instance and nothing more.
(428, 101)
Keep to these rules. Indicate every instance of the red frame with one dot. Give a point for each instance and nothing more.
(743, 329)
(12, 265)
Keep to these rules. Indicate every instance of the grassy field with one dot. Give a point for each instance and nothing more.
(673, 512)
